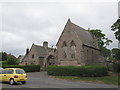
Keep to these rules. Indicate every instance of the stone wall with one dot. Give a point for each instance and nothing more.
(91, 55)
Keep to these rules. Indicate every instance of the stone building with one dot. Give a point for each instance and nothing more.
(76, 46)
(38, 55)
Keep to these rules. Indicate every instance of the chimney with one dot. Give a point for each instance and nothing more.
(45, 44)
(27, 51)
(88, 29)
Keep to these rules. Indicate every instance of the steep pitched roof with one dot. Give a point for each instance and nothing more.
(40, 50)
(85, 36)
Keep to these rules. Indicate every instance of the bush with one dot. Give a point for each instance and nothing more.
(86, 71)
(27, 68)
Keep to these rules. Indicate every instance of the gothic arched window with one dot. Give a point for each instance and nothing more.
(73, 50)
(64, 50)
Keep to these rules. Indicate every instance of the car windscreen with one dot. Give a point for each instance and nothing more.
(18, 71)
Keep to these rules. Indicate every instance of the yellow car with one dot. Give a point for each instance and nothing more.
(13, 75)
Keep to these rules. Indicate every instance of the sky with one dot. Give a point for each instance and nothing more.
(23, 23)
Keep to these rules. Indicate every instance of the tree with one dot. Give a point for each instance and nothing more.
(106, 53)
(103, 42)
(11, 61)
(116, 61)
(116, 54)
(4, 56)
(116, 27)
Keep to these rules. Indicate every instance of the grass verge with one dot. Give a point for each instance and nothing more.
(105, 80)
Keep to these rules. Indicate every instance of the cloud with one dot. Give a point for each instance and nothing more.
(35, 22)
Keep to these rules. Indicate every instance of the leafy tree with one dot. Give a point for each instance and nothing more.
(4, 56)
(116, 54)
(11, 61)
(103, 42)
(0, 56)
(18, 60)
(116, 27)
(106, 53)
(116, 59)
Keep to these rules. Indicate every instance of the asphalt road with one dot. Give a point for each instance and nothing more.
(42, 80)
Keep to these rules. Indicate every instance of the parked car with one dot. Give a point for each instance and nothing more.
(13, 75)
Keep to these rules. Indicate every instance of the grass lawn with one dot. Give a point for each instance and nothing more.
(105, 79)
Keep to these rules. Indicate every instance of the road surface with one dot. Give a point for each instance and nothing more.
(42, 80)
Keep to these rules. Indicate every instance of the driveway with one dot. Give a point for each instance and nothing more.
(42, 80)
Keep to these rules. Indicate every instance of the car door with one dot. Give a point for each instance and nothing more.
(4, 75)
(9, 74)
(0, 75)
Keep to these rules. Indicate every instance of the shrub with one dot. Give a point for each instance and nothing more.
(27, 68)
(86, 71)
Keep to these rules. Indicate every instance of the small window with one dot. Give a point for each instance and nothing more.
(33, 56)
(4, 71)
(64, 49)
(20, 72)
(73, 50)
(10, 71)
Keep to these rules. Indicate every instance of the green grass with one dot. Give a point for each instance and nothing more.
(105, 79)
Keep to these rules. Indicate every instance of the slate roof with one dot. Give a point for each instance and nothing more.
(40, 50)
(85, 36)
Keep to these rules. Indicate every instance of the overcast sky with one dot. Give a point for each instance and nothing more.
(24, 23)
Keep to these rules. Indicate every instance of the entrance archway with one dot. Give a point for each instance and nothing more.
(49, 60)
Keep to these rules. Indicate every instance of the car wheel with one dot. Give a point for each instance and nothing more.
(11, 81)
(23, 82)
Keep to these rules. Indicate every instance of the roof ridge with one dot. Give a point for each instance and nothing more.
(38, 45)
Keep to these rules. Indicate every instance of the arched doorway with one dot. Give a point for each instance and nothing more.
(50, 60)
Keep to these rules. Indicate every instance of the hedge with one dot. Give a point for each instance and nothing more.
(27, 68)
(85, 71)
(3, 62)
